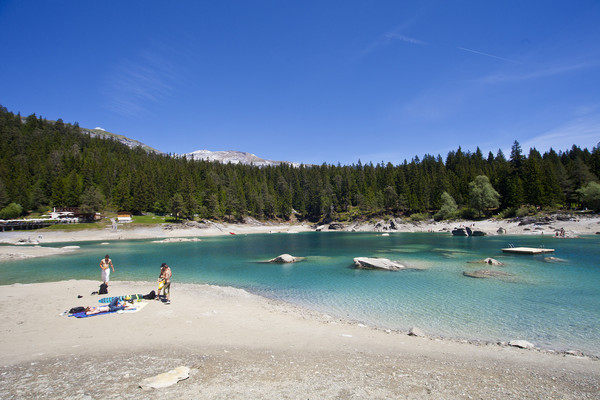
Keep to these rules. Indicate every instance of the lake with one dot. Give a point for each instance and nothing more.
(553, 304)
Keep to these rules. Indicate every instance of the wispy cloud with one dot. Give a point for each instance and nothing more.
(390, 38)
(536, 74)
(488, 55)
(136, 84)
(583, 132)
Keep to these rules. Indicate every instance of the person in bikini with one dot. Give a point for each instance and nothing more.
(164, 283)
(114, 305)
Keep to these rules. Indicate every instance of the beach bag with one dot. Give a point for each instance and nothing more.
(150, 296)
(75, 310)
(161, 284)
(103, 289)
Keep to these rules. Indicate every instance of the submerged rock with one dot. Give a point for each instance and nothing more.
(554, 259)
(377, 263)
(486, 273)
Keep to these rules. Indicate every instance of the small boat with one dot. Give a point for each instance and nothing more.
(231, 233)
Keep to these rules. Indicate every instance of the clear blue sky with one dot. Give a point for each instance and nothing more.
(310, 81)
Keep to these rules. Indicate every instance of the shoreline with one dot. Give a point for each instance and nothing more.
(15, 245)
(216, 330)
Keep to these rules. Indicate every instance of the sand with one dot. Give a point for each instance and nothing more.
(243, 346)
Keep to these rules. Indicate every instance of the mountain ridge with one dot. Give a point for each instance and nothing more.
(225, 157)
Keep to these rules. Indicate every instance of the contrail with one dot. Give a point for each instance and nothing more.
(488, 55)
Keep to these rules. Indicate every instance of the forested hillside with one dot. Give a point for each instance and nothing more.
(45, 164)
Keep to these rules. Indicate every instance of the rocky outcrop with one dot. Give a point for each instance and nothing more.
(487, 273)
(377, 263)
(336, 226)
(284, 259)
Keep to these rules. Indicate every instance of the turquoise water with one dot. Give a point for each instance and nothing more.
(555, 305)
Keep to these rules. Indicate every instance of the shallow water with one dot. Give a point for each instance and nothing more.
(555, 305)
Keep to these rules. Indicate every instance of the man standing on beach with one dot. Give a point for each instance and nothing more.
(105, 265)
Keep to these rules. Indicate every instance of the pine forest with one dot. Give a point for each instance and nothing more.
(46, 164)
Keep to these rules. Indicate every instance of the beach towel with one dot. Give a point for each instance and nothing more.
(128, 297)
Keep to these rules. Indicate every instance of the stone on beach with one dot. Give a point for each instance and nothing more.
(414, 331)
(377, 263)
(166, 379)
(523, 344)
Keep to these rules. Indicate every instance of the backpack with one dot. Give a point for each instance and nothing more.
(103, 289)
(150, 296)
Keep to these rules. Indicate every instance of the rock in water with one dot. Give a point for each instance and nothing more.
(166, 379)
(283, 259)
(377, 263)
(459, 232)
(492, 261)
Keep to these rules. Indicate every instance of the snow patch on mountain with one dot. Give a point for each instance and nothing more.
(234, 157)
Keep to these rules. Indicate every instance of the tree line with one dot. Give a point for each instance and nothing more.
(53, 164)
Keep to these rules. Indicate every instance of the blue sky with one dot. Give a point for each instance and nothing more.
(310, 81)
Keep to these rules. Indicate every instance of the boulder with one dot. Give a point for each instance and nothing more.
(478, 233)
(486, 273)
(336, 227)
(377, 263)
(501, 231)
(492, 261)
(283, 259)
(523, 344)
(166, 379)
(414, 331)
(459, 232)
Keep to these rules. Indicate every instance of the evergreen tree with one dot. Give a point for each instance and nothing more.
(176, 206)
(92, 200)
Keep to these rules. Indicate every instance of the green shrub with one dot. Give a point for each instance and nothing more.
(467, 213)
(525, 211)
(420, 217)
(11, 211)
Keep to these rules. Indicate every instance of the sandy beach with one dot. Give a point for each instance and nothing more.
(239, 345)
(243, 346)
